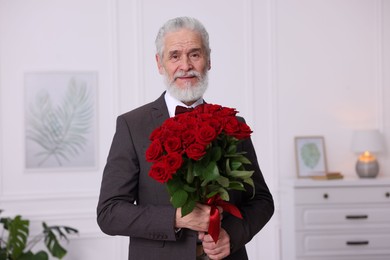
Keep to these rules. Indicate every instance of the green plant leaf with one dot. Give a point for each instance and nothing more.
(241, 174)
(232, 149)
(18, 231)
(251, 183)
(174, 184)
(235, 164)
(223, 181)
(41, 255)
(224, 194)
(179, 198)
(188, 207)
(190, 173)
(3, 254)
(243, 159)
(210, 173)
(51, 238)
(216, 153)
(188, 188)
(235, 185)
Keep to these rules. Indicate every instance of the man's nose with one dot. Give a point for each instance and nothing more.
(186, 64)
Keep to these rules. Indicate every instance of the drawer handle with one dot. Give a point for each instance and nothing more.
(387, 194)
(356, 217)
(326, 195)
(357, 243)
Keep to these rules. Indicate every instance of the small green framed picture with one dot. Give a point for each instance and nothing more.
(310, 156)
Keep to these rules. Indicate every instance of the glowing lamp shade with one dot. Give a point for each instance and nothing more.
(367, 143)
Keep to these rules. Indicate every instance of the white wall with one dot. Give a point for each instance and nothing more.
(291, 67)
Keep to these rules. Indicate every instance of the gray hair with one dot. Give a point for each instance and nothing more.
(178, 23)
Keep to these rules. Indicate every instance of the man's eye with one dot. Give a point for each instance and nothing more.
(175, 57)
(195, 55)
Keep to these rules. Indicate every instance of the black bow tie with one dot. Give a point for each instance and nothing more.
(181, 109)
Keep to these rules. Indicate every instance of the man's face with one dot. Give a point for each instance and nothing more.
(184, 62)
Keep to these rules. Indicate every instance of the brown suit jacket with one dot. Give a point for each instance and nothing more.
(133, 204)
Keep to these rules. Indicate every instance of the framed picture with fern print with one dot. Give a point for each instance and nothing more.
(60, 120)
(310, 156)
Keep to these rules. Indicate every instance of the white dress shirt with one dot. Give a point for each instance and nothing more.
(173, 102)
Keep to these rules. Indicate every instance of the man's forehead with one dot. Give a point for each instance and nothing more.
(183, 38)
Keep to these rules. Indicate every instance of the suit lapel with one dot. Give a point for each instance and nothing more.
(159, 111)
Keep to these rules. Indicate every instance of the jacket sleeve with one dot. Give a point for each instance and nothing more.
(256, 208)
(119, 211)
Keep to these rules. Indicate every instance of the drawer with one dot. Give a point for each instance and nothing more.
(357, 216)
(327, 244)
(338, 195)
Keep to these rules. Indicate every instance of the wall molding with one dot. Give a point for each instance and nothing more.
(114, 51)
(249, 56)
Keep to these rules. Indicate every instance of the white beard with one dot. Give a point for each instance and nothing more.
(189, 92)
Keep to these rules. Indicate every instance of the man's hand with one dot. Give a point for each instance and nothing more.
(218, 250)
(197, 220)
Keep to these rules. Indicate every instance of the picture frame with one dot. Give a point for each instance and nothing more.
(310, 156)
(60, 120)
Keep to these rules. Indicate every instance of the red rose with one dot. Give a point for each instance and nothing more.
(188, 137)
(210, 108)
(231, 125)
(216, 124)
(172, 144)
(205, 134)
(156, 133)
(172, 126)
(154, 151)
(159, 172)
(244, 131)
(196, 151)
(187, 120)
(226, 111)
(173, 162)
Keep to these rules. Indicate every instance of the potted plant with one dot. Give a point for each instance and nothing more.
(15, 243)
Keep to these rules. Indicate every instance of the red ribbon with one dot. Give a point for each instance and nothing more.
(215, 218)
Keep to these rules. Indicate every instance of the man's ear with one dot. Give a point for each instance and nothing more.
(159, 64)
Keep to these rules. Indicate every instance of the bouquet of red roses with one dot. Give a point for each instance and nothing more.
(195, 154)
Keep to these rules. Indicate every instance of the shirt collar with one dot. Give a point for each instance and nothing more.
(173, 102)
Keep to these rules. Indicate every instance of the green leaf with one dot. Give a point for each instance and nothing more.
(173, 185)
(190, 173)
(179, 198)
(51, 238)
(198, 168)
(212, 194)
(210, 173)
(224, 194)
(241, 158)
(242, 174)
(235, 164)
(189, 189)
(41, 255)
(227, 167)
(250, 182)
(223, 181)
(188, 207)
(232, 149)
(3, 254)
(216, 153)
(18, 229)
(235, 185)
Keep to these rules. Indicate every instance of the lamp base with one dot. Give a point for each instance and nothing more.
(367, 169)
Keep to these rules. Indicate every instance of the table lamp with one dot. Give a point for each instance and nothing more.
(366, 143)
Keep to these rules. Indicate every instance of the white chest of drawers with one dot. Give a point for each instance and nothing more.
(335, 219)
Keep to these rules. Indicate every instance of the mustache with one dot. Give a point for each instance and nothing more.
(190, 73)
